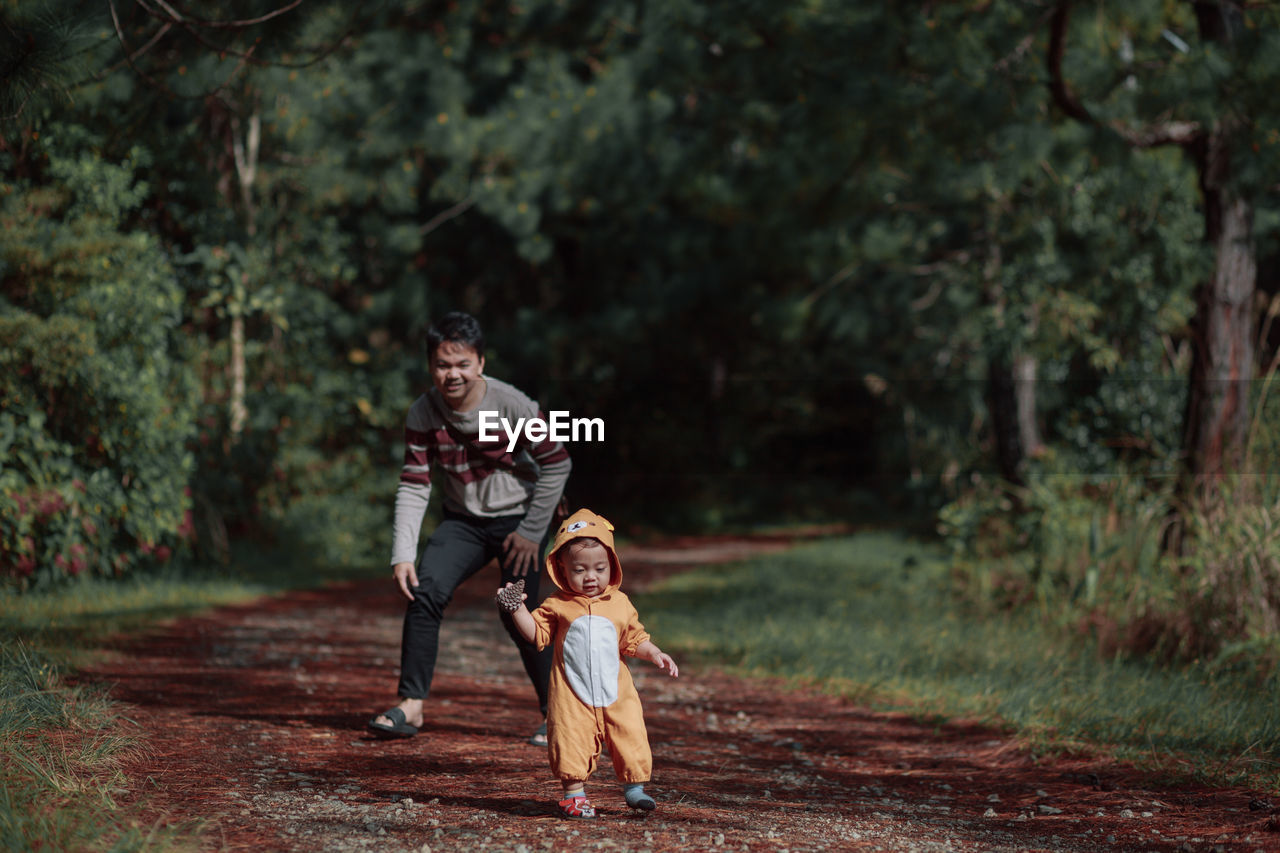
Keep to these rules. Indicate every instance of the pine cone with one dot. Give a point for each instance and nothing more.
(511, 597)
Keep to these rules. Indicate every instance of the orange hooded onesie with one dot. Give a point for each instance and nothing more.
(591, 699)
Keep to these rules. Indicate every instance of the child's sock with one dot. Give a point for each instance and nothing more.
(637, 798)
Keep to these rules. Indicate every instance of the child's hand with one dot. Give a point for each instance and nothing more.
(664, 661)
(511, 597)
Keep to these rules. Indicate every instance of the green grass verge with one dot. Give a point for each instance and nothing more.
(62, 746)
(62, 749)
(870, 616)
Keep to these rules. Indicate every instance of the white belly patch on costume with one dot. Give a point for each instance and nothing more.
(591, 660)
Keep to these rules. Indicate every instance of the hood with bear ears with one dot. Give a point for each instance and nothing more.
(584, 524)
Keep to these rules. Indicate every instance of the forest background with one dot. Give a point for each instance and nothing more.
(1007, 270)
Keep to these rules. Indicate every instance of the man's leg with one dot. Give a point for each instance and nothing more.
(537, 664)
(455, 551)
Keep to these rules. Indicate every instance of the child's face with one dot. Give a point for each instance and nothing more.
(586, 567)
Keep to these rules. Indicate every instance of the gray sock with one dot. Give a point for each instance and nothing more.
(637, 798)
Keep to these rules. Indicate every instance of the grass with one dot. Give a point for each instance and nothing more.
(62, 747)
(63, 750)
(69, 620)
(870, 616)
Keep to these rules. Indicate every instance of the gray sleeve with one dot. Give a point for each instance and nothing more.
(546, 494)
(411, 506)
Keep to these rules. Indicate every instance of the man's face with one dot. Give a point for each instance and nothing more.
(455, 370)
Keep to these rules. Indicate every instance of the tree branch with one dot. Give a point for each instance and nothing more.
(1023, 47)
(1181, 133)
(1058, 87)
(176, 17)
(168, 15)
(1153, 136)
(129, 57)
(445, 215)
(954, 259)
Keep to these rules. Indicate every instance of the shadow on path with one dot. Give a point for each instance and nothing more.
(255, 718)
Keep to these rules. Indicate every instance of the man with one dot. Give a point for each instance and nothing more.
(497, 503)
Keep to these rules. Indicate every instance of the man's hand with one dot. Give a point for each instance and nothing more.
(521, 553)
(406, 576)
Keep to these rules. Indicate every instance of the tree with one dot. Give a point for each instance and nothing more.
(1209, 89)
(95, 407)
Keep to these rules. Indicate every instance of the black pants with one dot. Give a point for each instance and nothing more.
(457, 549)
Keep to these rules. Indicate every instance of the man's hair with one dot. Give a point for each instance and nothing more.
(456, 327)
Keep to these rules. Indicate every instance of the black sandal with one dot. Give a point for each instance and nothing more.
(539, 737)
(399, 727)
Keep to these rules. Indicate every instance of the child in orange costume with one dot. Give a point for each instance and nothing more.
(591, 701)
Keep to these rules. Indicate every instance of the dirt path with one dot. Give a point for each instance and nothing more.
(255, 720)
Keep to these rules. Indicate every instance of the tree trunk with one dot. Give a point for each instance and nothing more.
(1222, 364)
(1011, 391)
(245, 154)
(1217, 416)
(239, 412)
(1025, 369)
(1002, 405)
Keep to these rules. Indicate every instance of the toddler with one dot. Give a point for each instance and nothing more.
(591, 625)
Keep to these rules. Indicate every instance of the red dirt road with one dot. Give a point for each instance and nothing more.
(254, 717)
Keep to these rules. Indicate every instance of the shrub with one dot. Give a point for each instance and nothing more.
(1065, 543)
(1088, 552)
(95, 411)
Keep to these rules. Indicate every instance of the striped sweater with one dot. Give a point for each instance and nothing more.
(476, 478)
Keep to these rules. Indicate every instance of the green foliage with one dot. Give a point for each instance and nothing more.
(1079, 550)
(1088, 555)
(334, 509)
(872, 617)
(777, 246)
(42, 49)
(1228, 602)
(95, 411)
(227, 272)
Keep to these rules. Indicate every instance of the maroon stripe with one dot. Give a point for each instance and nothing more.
(417, 478)
(414, 436)
(491, 456)
(417, 457)
(476, 459)
(499, 443)
(457, 456)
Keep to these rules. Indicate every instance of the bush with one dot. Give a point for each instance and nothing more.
(96, 412)
(1230, 578)
(1088, 553)
(1066, 543)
